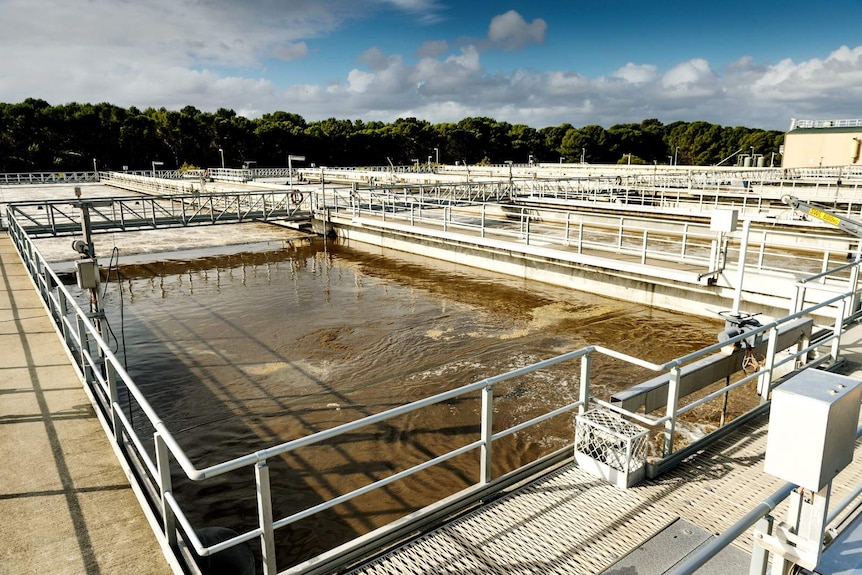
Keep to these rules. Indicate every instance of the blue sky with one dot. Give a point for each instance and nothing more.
(540, 62)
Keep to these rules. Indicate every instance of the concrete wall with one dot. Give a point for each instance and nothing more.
(821, 148)
(659, 287)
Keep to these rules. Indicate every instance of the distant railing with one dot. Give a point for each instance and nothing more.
(34, 178)
(152, 451)
(850, 123)
(638, 236)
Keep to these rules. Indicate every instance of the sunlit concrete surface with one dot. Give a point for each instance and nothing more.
(65, 504)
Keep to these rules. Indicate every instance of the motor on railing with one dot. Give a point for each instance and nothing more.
(738, 323)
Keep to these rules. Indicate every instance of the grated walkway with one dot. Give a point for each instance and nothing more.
(65, 503)
(570, 522)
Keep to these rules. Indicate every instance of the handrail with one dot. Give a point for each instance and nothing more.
(712, 547)
(79, 332)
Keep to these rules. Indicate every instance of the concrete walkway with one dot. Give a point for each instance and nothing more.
(66, 506)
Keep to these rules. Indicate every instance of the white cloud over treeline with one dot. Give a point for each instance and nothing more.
(213, 54)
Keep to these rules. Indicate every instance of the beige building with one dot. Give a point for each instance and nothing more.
(822, 143)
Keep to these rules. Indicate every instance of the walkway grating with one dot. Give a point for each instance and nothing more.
(570, 522)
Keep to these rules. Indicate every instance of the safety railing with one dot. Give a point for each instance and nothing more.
(760, 519)
(642, 239)
(64, 217)
(112, 388)
(37, 178)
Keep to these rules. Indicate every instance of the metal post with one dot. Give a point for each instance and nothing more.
(764, 380)
(759, 555)
(487, 429)
(584, 392)
(113, 396)
(264, 508)
(644, 247)
(163, 464)
(838, 329)
(672, 403)
(740, 266)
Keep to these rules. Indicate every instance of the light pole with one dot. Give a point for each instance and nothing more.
(437, 156)
(676, 157)
(530, 159)
(290, 159)
(96, 169)
(429, 161)
(221, 153)
(156, 163)
(583, 153)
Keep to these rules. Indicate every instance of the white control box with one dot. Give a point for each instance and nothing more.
(724, 220)
(812, 428)
(87, 273)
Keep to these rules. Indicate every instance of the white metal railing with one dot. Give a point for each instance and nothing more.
(34, 178)
(760, 518)
(847, 123)
(640, 237)
(106, 379)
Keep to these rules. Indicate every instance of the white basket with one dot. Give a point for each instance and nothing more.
(610, 447)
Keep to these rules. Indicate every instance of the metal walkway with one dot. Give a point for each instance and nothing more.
(570, 522)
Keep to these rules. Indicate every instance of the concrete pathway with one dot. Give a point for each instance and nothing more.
(66, 506)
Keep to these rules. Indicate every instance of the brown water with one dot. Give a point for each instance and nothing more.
(242, 352)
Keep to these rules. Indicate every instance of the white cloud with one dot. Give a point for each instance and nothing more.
(432, 49)
(510, 31)
(687, 75)
(217, 53)
(636, 74)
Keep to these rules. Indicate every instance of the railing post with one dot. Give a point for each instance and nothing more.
(527, 230)
(487, 429)
(584, 391)
(163, 463)
(644, 247)
(684, 241)
(482, 228)
(113, 397)
(568, 225)
(672, 404)
(840, 316)
(764, 380)
(264, 508)
(620, 234)
(853, 286)
(84, 348)
(580, 237)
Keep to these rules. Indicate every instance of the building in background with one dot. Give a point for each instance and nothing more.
(822, 143)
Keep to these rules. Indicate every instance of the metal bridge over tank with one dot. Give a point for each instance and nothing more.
(64, 217)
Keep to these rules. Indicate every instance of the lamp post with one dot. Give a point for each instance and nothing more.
(290, 159)
(96, 169)
(437, 156)
(429, 161)
(156, 163)
(221, 153)
(583, 154)
(676, 157)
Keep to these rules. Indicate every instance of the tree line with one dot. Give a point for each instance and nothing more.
(38, 136)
